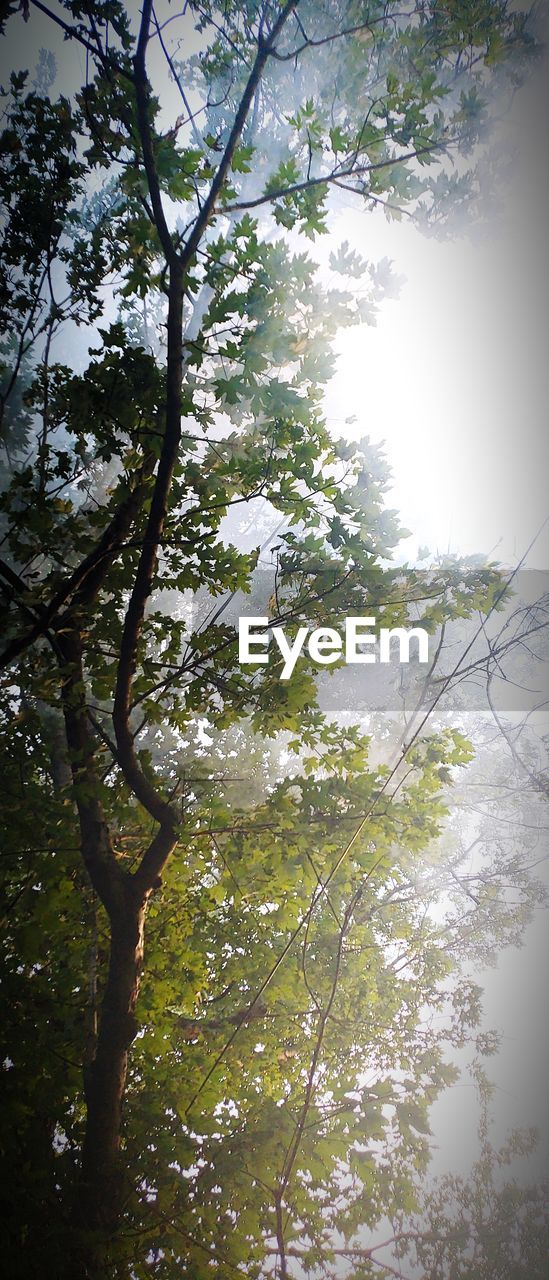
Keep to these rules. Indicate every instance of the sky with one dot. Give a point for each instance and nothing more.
(455, 380)
(455, 377)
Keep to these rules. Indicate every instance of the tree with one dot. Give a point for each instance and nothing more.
(203, 395)
(484, 1226)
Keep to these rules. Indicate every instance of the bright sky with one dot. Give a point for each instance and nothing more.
(455, 380)
(455, 377)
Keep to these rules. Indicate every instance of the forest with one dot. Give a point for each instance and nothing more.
(246, 906)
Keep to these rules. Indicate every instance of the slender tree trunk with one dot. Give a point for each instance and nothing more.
(101, 1189)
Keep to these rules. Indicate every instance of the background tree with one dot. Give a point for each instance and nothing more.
(487, 1225)
(257, 1098)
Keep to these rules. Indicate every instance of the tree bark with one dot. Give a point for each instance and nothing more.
(101, 1190)
(98, 1198)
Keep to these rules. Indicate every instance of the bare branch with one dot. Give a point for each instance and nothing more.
(334, 178)
(264, 49)
(142, 91)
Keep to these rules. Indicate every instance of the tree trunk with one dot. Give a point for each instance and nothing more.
(101, 1188)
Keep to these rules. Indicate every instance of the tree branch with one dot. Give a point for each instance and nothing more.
(333, 178)
(106, 875)
(143, 583)
(264, 50)
(71, 33)
(143, 789)
(142, 93)
(86, 580)
(309, 43)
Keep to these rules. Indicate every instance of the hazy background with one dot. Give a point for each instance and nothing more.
(455, 380)
(455, 377)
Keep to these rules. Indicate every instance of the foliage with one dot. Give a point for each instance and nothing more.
(485, 1226)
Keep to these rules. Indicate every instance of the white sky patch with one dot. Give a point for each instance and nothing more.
(455, 377)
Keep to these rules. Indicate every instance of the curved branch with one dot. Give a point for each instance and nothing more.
(85, 581)
(106, 875)
(143, 789)
(148, 795)
(334, 178)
